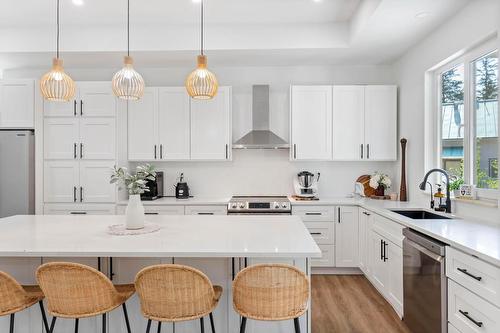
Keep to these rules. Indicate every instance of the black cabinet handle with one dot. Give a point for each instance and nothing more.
(233, 270)
(466, 315)
(111, 273)
(315, 233)
(227, 152)
(152, 213)
(81, 194)
(367, 214)
(338, 214)
(78, 213)
(205, 213)
(294, 151)
(81, 107)
(362, 153)
(368, 151)
(155, 152)
(385, 251)
(81, 150)
(381, 250)
(74, 193)
(463, 270)
(314, 213)
(161, 151)
(74, 150)
(74, 107)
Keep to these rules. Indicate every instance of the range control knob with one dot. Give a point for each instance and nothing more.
(242, 205)
(284, 205)
(277, 205)
(234, 206)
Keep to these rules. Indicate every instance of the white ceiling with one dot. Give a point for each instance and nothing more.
(165, 33)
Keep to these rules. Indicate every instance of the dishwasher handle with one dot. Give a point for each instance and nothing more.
(422, 249)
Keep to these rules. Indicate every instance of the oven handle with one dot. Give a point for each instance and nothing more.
(259, 213)
(422, 249)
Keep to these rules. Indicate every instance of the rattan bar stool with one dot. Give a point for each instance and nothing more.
(271, 292)
(174, 293)
(77, 291)
(15, 298)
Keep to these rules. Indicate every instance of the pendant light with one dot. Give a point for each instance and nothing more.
(57, 85)
(201, 83)
(127, 83)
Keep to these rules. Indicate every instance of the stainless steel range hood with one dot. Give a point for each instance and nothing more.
(260, 137)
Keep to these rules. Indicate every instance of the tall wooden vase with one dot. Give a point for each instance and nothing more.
(403, 196)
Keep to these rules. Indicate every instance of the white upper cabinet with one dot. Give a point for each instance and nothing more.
(211, 127)
(311, 122)
(97, 139)
(348, 122)
(381, 123)
(97, 99)
(174, 123)
(17, 103)
(62, 109)
(143, 127)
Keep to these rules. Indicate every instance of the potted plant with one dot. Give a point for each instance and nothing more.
(380, 182)
(135, 185)
(455, 186)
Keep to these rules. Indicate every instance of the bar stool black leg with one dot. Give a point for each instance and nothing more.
(297, 325)
(125, 314)
(149, 326)
(52, 324)
(159, 327)
(202, 325)
(44, 317)
(212, 322)
(76, 325)
(103, 323)
(243, 324)
(12, 317)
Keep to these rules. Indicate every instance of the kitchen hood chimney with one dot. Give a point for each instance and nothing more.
(260, 137)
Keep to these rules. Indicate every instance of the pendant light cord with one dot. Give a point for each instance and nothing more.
(202, 27)
(128, 28)
(57, 36)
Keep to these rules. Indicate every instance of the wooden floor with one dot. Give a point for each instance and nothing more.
(349, 303)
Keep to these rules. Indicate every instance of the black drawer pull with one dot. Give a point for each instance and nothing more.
(367, 214)
(78, 213)
(466, 315)
(314, 213)
(202, 213)
(316, 233)
(463, 270)
(151, 213)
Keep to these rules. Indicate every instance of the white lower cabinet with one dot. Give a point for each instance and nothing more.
(346, 237)
(365, 222)
(386, 269)
(155, 210)
(469, 312)
(78, 209)
(327, 256)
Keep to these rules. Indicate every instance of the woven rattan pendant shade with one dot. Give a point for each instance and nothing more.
(57, 85)
(201, 83)
(127, 83)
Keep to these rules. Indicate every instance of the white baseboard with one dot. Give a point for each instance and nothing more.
(336, 271)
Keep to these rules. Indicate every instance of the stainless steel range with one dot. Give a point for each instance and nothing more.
(259, 205)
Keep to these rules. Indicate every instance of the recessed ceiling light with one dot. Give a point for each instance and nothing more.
(422, 15)
(78, 2)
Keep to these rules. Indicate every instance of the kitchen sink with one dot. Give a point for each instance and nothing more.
(420, 214)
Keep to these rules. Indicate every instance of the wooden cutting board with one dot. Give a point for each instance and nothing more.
(365, 180)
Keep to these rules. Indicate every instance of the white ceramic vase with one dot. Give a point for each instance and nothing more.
(134, 214)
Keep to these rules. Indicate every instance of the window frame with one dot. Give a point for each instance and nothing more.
(467, 60)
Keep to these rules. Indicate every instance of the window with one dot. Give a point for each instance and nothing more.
(468, 143)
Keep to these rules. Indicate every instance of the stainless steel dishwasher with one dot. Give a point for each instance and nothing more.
(424, 283)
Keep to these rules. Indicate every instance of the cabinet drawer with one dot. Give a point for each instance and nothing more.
(206, 210)
(322, 232)
(314, 213)
(480, 277)
(389, 229)
(470, 313)
(156, 210)
(78, 209)
(327, 257)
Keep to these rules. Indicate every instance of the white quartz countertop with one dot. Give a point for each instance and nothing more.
(179, 236)
(172, 201)
(475, 237)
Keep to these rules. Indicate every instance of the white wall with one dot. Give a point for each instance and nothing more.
(256, 172)
(458, 34)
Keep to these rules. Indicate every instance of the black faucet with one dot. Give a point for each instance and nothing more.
(424, 183)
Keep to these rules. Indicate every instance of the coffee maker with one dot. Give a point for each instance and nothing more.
(306, 184)
(155, 188)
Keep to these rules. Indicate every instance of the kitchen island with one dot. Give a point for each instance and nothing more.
(218, 245)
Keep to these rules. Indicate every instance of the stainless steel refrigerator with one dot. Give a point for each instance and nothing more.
(17, 172)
